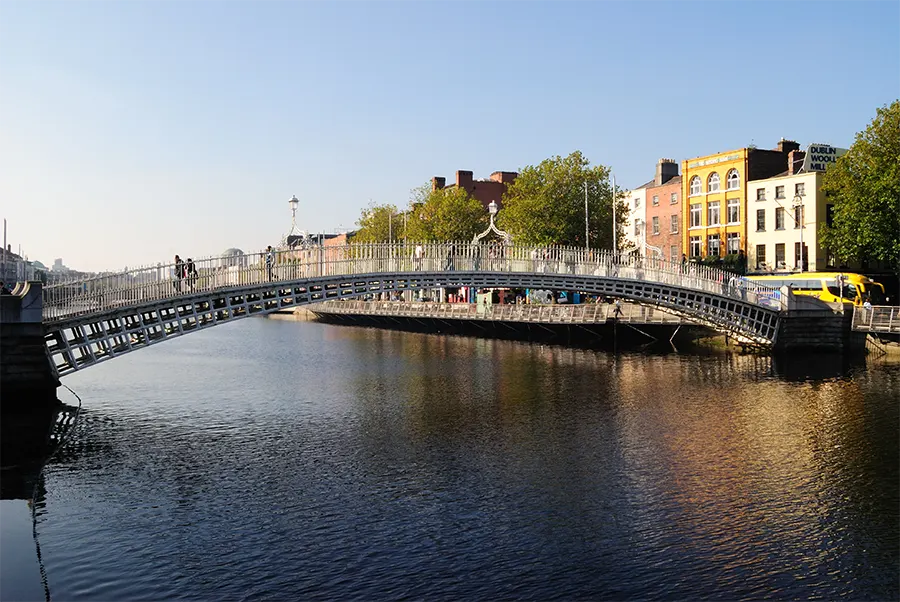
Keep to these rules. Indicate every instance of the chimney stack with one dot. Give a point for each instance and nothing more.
(437, 183)
(786, 146)
(464, 179)
(666, 169)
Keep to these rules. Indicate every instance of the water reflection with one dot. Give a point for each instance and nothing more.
(388, 464)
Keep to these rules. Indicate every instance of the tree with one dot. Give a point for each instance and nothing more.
(545, 204)
(864, 186)
(446, 214)
(379, 223)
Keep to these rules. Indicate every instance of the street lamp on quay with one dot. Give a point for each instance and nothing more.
(801, 223)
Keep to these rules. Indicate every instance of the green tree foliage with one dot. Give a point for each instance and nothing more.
(379, 223)
(545, 204)
(864, 186)
(447, 214)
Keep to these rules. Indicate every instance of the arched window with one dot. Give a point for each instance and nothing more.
(733, 180)
(712, 185)
(695, 185)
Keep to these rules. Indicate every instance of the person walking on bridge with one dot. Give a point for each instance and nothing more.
(179, 273)
(270, 262)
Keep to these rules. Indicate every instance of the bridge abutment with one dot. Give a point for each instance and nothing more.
(27, 380)
(819, 330)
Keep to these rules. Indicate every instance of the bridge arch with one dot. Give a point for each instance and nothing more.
(86, 324)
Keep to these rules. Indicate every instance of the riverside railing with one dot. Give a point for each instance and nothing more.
(167, 281)
(878, 318)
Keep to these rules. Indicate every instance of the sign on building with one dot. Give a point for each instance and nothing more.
(820, 156)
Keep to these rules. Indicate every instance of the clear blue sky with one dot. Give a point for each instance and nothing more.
(132, 131)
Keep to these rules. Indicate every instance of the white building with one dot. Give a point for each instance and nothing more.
(635, 226)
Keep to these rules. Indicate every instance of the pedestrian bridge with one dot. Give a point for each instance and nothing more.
(89, 321)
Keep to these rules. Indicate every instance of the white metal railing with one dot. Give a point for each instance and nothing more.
(586, 313)
(167, 281)
(878, 318)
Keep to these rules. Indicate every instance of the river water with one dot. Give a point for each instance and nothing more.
(275, 459)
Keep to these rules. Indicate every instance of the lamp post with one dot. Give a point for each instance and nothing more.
(798, 204)
(492, 210)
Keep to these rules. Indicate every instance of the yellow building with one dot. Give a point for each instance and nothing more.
(714, 197)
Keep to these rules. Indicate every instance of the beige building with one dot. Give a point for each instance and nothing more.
(783, 213)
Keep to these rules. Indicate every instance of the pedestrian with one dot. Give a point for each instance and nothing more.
(270, 262)
(179, 273)
(683, 262)
(742, 263)
(618, 311)
(451, 251)
(419, 253)
(191, 273)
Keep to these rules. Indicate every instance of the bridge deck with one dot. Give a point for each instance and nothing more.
(880, 318)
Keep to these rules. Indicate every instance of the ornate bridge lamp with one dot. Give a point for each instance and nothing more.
(295, 237)
(505, 236)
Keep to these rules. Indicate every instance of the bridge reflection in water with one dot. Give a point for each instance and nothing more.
(94, 320)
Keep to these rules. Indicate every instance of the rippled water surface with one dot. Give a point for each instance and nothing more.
(274, 459)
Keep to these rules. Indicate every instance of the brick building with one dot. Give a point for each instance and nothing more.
(485, 191)
(663, 214)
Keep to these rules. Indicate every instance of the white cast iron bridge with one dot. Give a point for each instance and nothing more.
(89, 321)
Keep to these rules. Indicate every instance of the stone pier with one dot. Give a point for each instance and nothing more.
(27, 380)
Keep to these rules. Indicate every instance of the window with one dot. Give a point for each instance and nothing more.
(673, 252)
(695, 185)
(637, 202)
(713, 214)
(760, 257)
(760, 194)
(734, 211)
(712, 185)
(674, 228)
(798, 217)
(695, 246)
(656, 200)
(779, 255)
(779, 192)
(733, 180)
(800, 189)
(673, 199)
(695, 215)
(637, 227)
(712, 245)
(655, 222)
(760, 220)
(732, 243)
(779, 218)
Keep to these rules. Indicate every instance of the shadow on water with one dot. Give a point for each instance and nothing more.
(28, 440)
(816, 366)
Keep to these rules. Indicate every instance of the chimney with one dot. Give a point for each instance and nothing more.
(795, 161)
(464, 179)
(504, 177)
(437, 183)
(786, 146)
(666, 169)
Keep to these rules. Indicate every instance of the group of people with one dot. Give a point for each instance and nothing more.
(186, 272)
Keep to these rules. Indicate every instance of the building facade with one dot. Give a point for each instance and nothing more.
(485, 190)
(634, 224)
(714, 197)
(663, 212)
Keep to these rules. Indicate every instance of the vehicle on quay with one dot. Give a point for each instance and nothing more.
(831, 287)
